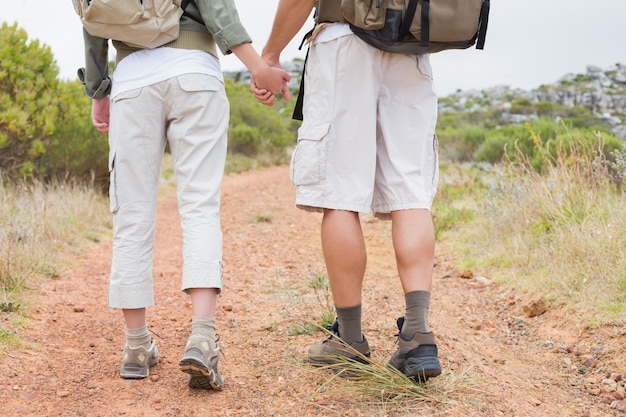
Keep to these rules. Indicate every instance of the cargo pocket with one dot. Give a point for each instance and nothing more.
(113, 200)
(127, 95)
(308, 162)
(199, 82)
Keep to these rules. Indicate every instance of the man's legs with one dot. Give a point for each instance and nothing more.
(414, 244)
(345, 256)
(333, 168)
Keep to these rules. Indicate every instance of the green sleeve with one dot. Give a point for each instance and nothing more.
(95, 75)
(222, 21)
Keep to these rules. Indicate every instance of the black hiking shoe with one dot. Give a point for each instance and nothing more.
(417, 357)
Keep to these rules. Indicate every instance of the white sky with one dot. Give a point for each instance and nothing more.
(529, 42)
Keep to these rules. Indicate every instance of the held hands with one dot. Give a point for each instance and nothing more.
(100, 113)
(267, 81)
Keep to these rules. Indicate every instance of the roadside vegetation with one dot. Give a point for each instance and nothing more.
(548, 221)
(537, 207)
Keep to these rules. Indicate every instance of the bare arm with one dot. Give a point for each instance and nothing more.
(290, 17)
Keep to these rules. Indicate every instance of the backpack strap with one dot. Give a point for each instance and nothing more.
(405, 26)
(482, 29)
(425, 41)
(297, 111)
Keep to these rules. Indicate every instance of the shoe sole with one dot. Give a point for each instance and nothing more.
(345, 368)
(137, 372)
(421, 369)
(325, 360)
(200, 376)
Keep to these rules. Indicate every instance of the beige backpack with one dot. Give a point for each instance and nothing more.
(412, 26)
(138, 23)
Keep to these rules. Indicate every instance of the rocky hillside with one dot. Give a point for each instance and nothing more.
(602, 91)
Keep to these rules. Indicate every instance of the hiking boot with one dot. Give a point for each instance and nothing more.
(200, 362)
(136, 362)
(334, 351)
(416, 357)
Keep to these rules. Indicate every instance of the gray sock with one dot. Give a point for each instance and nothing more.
(138, 337)
(416, 316)
(204, 326)
(349, 320)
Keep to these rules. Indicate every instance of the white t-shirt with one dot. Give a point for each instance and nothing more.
(149, 66)
(333, 31)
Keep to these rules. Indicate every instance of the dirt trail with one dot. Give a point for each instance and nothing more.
(515, 365)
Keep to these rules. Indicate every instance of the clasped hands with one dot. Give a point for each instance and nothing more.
(264, 83)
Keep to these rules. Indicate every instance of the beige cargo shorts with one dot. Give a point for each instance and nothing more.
(367, 142)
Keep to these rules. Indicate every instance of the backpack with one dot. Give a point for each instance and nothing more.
(416, 26)
(138, 23)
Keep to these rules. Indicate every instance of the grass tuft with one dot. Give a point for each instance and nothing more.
(373, 382)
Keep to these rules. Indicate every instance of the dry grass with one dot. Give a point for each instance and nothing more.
(39, 224)
(560, 232)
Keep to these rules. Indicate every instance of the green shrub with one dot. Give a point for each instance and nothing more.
(542, 141)
(28, 110)
(254, 128)
(459, 144)
(76, 150)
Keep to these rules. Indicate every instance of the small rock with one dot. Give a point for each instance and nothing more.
(607, 399)
(608, 385)
(449, 274)
(29, 396)
(466, 274)
(617, 377)
(63, 393)
(590, 362)
(535, 307)
(154, 378)
(79, 309)
(228, 307)
(483, 280)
